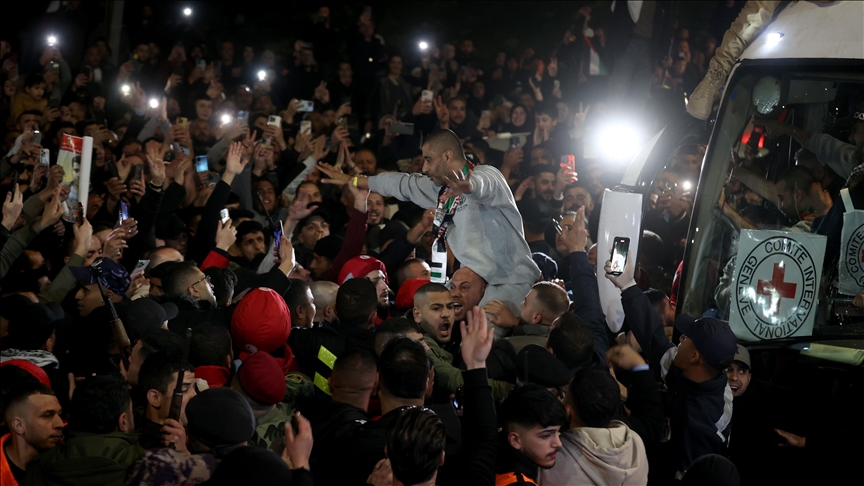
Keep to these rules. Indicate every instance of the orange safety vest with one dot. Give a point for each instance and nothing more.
(512, 478)
(6, 477)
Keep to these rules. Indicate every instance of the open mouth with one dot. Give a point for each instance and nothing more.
(444, 329)
(457, 306)
(734, 388)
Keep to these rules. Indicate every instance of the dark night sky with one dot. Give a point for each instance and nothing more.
(513, 25)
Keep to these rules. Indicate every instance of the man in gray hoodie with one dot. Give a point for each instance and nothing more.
(597, 449)
(476, 214)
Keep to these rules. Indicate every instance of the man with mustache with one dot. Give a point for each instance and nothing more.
(35, 426)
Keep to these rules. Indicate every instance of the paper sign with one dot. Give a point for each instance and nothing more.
(69, 158)
(776, 284)
(851, 271)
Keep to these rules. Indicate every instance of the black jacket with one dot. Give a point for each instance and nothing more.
(700, 414)
(316, 349)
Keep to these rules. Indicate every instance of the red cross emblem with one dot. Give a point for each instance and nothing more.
(776, 288)
(862, 255)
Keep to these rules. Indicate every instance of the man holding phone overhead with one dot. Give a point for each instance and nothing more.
(476, 216)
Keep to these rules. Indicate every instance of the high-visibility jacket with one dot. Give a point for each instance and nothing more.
(6, 477)
(512, 478)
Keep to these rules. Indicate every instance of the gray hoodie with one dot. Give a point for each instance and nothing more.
(613, 456)
(486, 235)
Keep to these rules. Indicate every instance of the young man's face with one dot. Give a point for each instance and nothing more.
(739, 378)
(252, 245)
(203, 109)
(540, 156)
(380, 280)
(540, 445)
(315, 229)
(312, 191)
(188, 393)
(28, 121)
(417, 270)
(434, 313)
(268, 194)
(88, 298)
(319, 266)
(375, 203)
(366, 162)
(39, 422)
(544, 185)
(545, 122)
(577, 197)
(529, 308)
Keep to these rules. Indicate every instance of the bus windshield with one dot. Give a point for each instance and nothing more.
(776, 244)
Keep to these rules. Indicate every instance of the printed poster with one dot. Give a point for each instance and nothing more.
(776, 284)
(70, 159)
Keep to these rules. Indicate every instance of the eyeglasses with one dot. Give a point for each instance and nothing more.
(205, 277)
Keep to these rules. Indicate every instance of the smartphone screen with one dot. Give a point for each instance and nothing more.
(124, 211)
(243, 117)
(278, 230)
(620, 247)
(223, 215)
(201, 163)
(37, 138)
(514, 142)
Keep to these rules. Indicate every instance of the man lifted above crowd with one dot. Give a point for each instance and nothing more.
(475, 214)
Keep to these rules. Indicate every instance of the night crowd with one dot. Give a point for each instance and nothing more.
(351, 262)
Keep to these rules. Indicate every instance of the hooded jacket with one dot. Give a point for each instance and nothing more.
(86, 459)
(613, 456)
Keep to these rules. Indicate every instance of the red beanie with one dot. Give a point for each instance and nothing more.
(359, 267)
(405, 296)
(261, 321)
(261, 377)
(31, 368)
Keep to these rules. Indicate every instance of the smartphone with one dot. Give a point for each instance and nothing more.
(45, 157)
(201, 64)
(278, 231)
(514, 142)
(557, 224)
(328, 144)
(137, 171)
(183, 122)
(217, 69)
(305, 106)
(275, 120)
(177, 70)
(305, 126)
(37, 137)
(139, 267)
(124, 211)
(87, 71)
(620, 247)
(223, 215)
(557, 84)
(426, 95)
(201, 164)
(485, 118)
(568, 162)
(368, 11)
(343, 122)
(243, 117)
(402, 128)
(53, 103)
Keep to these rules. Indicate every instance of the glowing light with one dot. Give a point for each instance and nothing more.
(187, 11)
(154, 103)
(619, 142)
(423, 45)
(52, 39)
(226, 119)
(687, 186)
(773, 38)
(125, 89)
(262, 75)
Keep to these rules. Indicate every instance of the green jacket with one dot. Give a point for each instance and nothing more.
(270, 428)
(449, 377)
(85, 460)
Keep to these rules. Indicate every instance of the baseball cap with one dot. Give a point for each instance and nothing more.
(113, 276)
(713, 338)
(262, 379)
(742, 356)
(359, 267)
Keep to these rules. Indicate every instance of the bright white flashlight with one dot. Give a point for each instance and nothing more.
(423, 45)
(262, 75)
(687, 185)
(125, 89)
(226, 119)
(52, 39)
(187, 11)
(773, 38)
(619, 142)
(154, 103)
